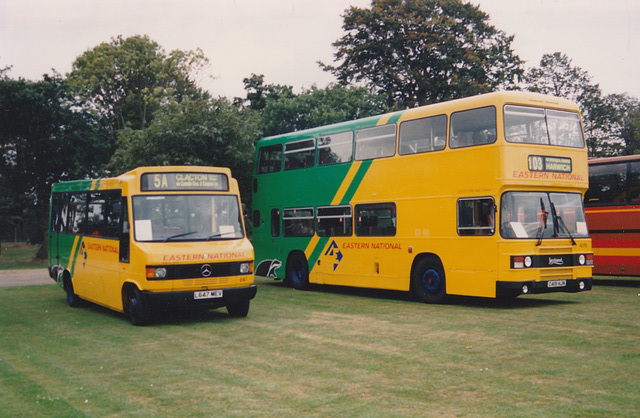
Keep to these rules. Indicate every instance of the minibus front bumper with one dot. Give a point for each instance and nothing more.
(212, 301)
(514, 289)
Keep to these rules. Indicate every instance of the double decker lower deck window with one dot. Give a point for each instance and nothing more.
(298, 222)
(476, 216)
(334, 221)
(376, 220)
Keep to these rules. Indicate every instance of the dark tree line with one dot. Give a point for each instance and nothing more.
(128, 102)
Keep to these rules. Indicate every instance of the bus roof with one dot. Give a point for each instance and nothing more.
(94, 184)
(501, 97)
(618, 159)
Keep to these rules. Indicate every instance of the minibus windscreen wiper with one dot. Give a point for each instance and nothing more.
(180, 235)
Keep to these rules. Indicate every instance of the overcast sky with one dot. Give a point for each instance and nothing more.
(284, 39)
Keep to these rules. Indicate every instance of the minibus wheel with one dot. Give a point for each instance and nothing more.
(136, 307)
(239, 308)
(428, 281)
(73, 300)
(297, 272)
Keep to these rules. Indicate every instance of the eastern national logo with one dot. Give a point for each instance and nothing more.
(333, 251)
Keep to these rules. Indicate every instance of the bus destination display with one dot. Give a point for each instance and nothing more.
(184, 181)
(549, 164)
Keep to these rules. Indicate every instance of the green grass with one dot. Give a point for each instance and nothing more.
(331, 351)
(19, 256)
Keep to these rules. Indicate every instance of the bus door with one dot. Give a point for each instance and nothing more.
(272, 261)
(475, 262)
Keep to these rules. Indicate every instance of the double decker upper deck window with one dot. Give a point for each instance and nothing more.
(376, 142)
(536, 125)
(299, 154)
(473, 127)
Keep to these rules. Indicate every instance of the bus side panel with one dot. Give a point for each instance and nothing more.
(616, 254)
(472, 265)
(615, 234)
(377, 263)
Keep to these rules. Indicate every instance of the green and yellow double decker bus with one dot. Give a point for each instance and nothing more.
(479, 196)
(155, 236)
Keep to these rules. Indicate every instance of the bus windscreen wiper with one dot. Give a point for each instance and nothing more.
(543, 222)
(561, 223)
(180, 235)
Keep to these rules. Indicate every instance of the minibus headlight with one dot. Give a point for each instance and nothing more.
(160, 273)
(245, 268)
(582, 259)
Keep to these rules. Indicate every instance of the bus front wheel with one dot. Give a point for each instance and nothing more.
(239, 308)
(136, 307)
(297, 272)
(428, 281)
(73, 300)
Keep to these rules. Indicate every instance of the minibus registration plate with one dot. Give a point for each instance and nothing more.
(556, 283)
(207, 294)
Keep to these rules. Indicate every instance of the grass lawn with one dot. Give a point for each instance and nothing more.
(330, 351)
(19, 256)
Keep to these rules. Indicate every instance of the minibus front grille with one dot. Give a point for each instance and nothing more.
(199, 271)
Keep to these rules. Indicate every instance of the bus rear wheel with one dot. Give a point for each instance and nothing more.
(428, 281)
(136, 307)
(297, 271)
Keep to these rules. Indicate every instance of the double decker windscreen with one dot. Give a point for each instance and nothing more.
(542, 215)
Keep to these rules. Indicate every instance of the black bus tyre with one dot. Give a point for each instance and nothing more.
(136, 307)
(297, 272)
(73, 300)
(428, 281)
(239, 308)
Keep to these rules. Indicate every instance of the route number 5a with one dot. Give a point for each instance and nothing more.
(160, 181)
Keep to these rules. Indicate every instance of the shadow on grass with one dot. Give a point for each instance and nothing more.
(522, 302)
(160, 315)
(615, 281)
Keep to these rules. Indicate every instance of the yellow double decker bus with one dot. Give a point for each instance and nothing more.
(480, 196)
(155, 236)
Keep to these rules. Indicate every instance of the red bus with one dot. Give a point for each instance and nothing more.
(612, 206)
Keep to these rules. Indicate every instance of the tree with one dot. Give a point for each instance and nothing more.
(128, 79)
(630, 129)
(45, 137)
(603, 116)
(258, 93)
(202, 131)
(417, 52)
(283, 111)
(558, 77)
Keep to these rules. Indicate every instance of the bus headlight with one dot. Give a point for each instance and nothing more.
(527, 261)
(245, 268)
(582, 259)
(520, 262)
(156, 273)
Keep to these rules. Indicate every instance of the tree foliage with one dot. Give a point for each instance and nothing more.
(608, 120)
(45, 137)
(204, 131)
(281, 110)
(417, 52)
(129, 78)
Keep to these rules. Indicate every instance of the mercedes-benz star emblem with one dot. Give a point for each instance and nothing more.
(205, 270)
